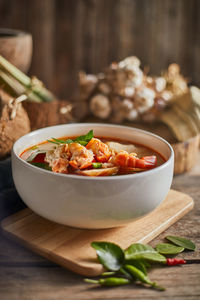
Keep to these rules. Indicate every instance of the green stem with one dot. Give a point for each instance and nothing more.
(16, 73)
(10, 86)
(107, 273)
(127, 274)
(91, 280)
(157, 287)
(14, 88)
(33, 88)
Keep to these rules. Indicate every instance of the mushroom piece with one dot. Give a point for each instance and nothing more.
(117, 147)
(99, 172)
(100, 106)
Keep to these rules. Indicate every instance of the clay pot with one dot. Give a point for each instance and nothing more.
(16, 47)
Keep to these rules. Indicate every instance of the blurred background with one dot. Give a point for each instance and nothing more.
(69, 35)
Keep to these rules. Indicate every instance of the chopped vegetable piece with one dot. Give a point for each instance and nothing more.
(175, 261)
(97, 165)
(34, 154)
(99, 172)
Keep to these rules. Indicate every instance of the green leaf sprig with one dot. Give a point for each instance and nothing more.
(97, 165)
(145, 252)
(130, 265)
(180, 241)
(110, 255)
(169, 249)
(82, 139)
(41, 165)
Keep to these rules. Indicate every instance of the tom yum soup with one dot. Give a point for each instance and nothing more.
(92, 156)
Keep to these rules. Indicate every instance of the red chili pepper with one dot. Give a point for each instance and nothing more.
(175, 261)
(39, 158)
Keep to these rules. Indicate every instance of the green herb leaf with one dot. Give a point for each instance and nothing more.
(86, 138)
(69, 141)
(41, 165)
(50, 141)
(140, 251)
(97, 165)
(180, 241)
(58, 142)
(61, 141)
(34, 154)
(110, 255)
(139, 264)
(82, 139)
(165, 248)
(83, 143)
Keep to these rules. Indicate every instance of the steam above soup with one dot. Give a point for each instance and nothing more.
(91, 156)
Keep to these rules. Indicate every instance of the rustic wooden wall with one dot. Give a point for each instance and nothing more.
(70, 35)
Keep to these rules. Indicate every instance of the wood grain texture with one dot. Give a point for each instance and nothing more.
(71, 35)
(25, 275)
(71, 247)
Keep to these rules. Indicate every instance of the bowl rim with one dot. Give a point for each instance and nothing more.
(100, 178)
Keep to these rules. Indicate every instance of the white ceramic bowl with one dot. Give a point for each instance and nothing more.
(92, 202)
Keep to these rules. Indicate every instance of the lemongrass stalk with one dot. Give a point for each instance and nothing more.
(33, 85)
(14, 72)
(38, 89)
(8, 85)
(14, 88)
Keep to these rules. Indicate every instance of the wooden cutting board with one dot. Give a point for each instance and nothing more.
(70, 247)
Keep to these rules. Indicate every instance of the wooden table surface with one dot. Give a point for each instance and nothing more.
(27, 276)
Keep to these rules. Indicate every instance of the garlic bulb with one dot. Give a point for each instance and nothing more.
(125, 92)
(100, 106)
(145, 99)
